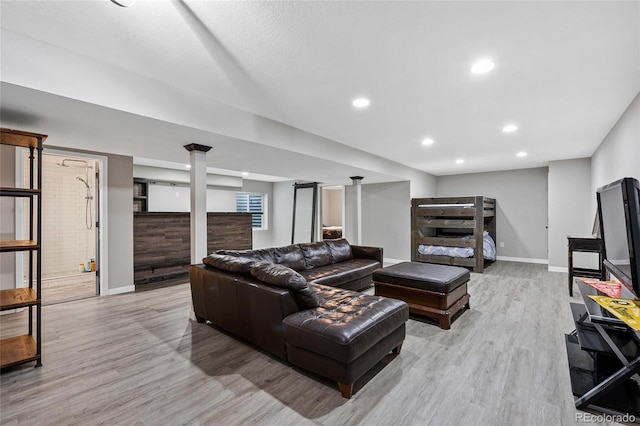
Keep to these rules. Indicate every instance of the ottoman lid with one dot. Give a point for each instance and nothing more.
(425, 276)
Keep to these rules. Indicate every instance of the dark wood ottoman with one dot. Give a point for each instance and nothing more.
(437, 291)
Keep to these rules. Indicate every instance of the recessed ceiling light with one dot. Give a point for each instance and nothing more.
(188, 166)
(510, 128)
(427, 141)
(459, 161)
(521, 154)
(482, 66)
(361, 102)
(245, 173)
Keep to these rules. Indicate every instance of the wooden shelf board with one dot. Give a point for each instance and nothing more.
(17, 245)
(18, 298)
(20, 138)
(17, 350)
(18, 192)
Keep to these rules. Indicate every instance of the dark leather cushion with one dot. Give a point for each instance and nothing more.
(341, 273)
(316, 254)
(255, 255)
(236, 264)
(346, 324)
(425, 276)
(340, 250)
(284, 277)
(290, 256)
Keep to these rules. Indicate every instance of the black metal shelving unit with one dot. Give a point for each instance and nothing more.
(25, 348)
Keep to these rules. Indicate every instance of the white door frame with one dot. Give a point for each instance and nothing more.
(103, 260)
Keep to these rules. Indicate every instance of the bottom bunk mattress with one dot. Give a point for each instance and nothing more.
(488, 249)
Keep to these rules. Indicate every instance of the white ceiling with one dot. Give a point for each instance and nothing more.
(565, 72)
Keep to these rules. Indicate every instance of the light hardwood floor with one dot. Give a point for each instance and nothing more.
(137, 358)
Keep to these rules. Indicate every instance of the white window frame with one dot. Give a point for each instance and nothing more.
(263, 213)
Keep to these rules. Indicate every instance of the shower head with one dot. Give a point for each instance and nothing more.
(83, 181)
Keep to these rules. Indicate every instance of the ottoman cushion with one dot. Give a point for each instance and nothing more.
(346, 324)
(425, 276)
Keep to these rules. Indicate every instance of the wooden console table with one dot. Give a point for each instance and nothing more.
(584, 245)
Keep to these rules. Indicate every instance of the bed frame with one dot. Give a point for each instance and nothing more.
(448, 219)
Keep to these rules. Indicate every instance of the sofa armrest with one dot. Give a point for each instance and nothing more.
(366, 252)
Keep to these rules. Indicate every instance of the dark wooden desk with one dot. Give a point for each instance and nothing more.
(584, 245)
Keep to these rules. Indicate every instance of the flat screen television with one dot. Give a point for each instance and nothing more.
(619, 212)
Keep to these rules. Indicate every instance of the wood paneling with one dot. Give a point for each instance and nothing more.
(162, 241)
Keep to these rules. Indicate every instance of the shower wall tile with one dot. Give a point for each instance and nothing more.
(66, 241)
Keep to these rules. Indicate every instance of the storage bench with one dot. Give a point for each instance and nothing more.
(436, 291)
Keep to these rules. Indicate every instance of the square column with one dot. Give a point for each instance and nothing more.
(357, 209)
(198, 199)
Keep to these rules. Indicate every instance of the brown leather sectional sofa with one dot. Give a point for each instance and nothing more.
(298, 303)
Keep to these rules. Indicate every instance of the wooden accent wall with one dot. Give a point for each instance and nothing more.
(162, 242)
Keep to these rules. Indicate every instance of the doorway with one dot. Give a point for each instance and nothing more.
(332, 212)
(70, 235)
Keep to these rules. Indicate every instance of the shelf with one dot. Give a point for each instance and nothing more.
(20, 138)
(18, 192)
(18, 245)
(18, 298)
(17, 350)
(587, 371)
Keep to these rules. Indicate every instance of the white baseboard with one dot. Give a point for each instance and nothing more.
(120, 290)
(523, 259)
(558, 269)
(393, 261)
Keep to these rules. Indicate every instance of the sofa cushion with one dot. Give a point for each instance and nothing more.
(290, 256)
(255, 255)
(346, 324)
(340, 250)
(316, 254)
(284, 277)
(229, 263)
(341, 273)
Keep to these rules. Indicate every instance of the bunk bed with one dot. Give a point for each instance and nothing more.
(458, 231)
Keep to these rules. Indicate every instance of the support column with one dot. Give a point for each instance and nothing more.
(198, 185)
(357, 211)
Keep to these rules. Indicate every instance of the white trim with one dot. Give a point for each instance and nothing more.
(558, 269)
(120, 290)
(393, 261)
(522, 259)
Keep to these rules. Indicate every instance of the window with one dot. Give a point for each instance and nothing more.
(254, 204)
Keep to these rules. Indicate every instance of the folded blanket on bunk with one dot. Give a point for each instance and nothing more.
(488, 249)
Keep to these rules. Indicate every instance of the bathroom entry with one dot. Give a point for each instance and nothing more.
(69, 233)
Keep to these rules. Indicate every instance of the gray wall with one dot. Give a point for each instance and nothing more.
(262, 238)
(521, 199)
(332, 206)
(282, 213)
(618, 155)
(570, 210)
(120, 221)
(386, 218)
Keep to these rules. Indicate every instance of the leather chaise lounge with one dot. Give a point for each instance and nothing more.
(298, 302)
